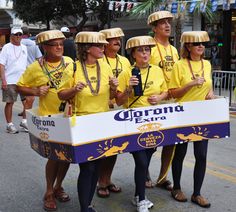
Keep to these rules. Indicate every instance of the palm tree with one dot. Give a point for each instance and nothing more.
(149, 6)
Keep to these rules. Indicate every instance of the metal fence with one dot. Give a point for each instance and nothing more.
(224, 83)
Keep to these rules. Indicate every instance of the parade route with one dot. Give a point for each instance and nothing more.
(22, 182)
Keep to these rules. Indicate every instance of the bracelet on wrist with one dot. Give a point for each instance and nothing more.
(128, 91)
(113, 90)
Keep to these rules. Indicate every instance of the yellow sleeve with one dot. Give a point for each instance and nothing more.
(176, 54)
(123, 80)
(33, 76)
(175, 80)
(164, 86)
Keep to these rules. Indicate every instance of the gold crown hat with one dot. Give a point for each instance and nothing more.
(158, 15)
(140, 41)
(49, 35)
(194, 37)
(90, 37)
(113, 32)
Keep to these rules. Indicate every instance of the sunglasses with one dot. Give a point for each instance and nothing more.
(55, 44)
(199, 43)
(99, 45)
(143, 49)
(18, 34)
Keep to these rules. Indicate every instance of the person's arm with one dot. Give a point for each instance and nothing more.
(122, 97)
(113, 82)
(180, 92)
(155, 98)
(210, 95)
(3, 78)
(35, 91)
(70, 93)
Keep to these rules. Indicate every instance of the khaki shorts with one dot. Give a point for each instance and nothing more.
(10, 94)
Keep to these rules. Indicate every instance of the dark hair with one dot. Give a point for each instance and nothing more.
(131, 58)
(82, 49)
(154, 23)
(25, 30)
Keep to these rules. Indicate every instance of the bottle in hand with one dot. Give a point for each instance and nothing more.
(138, 90)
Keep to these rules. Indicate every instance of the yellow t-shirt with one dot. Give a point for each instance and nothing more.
(181, 75)
(117, 64)
(155, 85)
(169, 55)
(35, 76)
(84, 101)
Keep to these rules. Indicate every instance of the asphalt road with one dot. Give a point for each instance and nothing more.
(22, 182)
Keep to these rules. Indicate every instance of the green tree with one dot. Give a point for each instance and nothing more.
(47, 10)
(147, 7)
(40, 10)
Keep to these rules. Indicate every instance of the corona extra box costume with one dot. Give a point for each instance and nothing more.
(105, 134)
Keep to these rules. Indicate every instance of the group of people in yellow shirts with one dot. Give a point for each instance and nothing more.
(101, 80)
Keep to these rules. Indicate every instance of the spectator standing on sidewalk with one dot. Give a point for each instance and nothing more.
(69, 44)
(33, 53)
(42, 79)
(13, 62)
(163, 55)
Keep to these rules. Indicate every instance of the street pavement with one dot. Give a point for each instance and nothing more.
(22, 183)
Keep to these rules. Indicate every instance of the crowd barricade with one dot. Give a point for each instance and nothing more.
(224, 83)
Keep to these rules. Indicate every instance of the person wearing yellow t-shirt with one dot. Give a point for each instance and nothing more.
(191, 81)
(42, 78)
(132, 93)
(163, 55)
(90, 87)
(118, 63)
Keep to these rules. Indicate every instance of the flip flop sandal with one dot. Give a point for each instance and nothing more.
(167, 185)
(178, 195)
(61, 195)
(201, 201)
(113, 188)
(49, 203)
(105, 192)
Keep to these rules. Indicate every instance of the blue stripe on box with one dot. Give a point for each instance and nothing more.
(130, 143)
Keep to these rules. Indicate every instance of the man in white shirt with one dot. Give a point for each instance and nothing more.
(13, 62)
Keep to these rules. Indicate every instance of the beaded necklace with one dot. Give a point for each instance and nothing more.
(116, 69)
(96, 91)
(191, 70)
(196, 75)
(55, 81)
(162, 60)
(17, 57)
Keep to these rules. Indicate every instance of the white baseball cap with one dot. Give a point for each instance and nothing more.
(65, 29)
(16, 30)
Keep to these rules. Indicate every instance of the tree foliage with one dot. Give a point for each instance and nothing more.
(149, 6)
(47, 10)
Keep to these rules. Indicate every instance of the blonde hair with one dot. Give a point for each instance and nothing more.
(184, 52)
